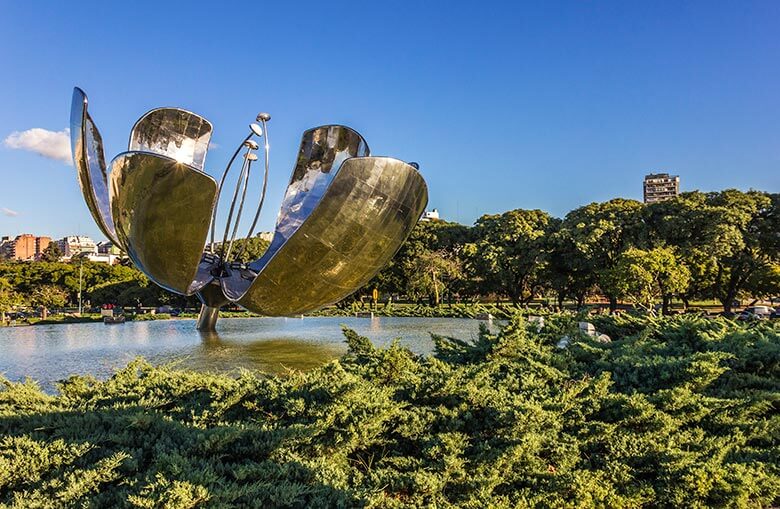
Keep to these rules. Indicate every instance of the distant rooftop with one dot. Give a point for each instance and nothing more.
(430, 215)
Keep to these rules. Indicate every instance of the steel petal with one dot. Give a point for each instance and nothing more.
(175, 133)
(87, 150)
(323, 150)
(367, 212)
(162, 210)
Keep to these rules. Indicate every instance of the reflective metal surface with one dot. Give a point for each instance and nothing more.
(343, 216)
(87, 150)
(322, 151)
(368, 211)
(162, 210)
(176, 133)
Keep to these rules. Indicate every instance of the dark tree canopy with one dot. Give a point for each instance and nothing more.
(52, 253)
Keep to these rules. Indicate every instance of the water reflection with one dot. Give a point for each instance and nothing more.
(270, 355)
(48, 353)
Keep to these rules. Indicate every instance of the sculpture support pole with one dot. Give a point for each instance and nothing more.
(207, 319)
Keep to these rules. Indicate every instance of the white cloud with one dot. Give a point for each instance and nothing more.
(52, 144)
(8, 212)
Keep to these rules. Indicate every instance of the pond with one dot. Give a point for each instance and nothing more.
(48, 353)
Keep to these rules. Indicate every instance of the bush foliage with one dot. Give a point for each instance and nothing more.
(678, 412)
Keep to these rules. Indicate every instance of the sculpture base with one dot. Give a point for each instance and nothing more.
(207, 319)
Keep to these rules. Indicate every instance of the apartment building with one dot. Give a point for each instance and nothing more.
(660, 187)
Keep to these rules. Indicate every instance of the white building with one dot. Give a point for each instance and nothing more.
(430, 215)
(75, 244)
(108, 258)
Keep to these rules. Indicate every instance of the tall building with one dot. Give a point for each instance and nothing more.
(661, 186)
(74, 245)
(24, 247)
(6, 245)
(41, 243)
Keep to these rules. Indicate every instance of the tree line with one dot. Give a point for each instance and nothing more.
(717, 245)
(51, 283)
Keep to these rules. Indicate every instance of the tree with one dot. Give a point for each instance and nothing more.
(748, 224)
(566, 271)
(765, 282)
(431, 273)
(134, 291)
(102, 283)
(26, 276)
(246, 250)
(644, 276)
(427, 236)
(52, 253)
(47, 297)
(600, 233)
(686, 223)
(508, 253)
(9, 299)
(726, 239)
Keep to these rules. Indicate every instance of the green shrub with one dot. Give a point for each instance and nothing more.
(145, 317)
(676, 412)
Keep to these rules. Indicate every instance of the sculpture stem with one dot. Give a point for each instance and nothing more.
(207, 319)
(219, 190)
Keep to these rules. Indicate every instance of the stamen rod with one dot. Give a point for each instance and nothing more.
(219, 190)
(265, 184)
(240, 209)
(241, 178)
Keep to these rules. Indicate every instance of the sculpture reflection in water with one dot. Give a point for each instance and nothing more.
(343, 216)
(269, 355)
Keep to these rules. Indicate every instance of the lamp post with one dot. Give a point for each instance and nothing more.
(81, 272)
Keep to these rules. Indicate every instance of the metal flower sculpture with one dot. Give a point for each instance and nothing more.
(343, 216)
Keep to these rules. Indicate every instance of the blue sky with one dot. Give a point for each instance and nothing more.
(505, 105)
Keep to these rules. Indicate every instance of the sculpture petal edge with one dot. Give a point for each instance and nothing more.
(87, 151)
(173, 132)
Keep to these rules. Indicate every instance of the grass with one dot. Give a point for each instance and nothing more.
(460, 310)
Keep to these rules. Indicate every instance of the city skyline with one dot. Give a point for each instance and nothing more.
(548, 107)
